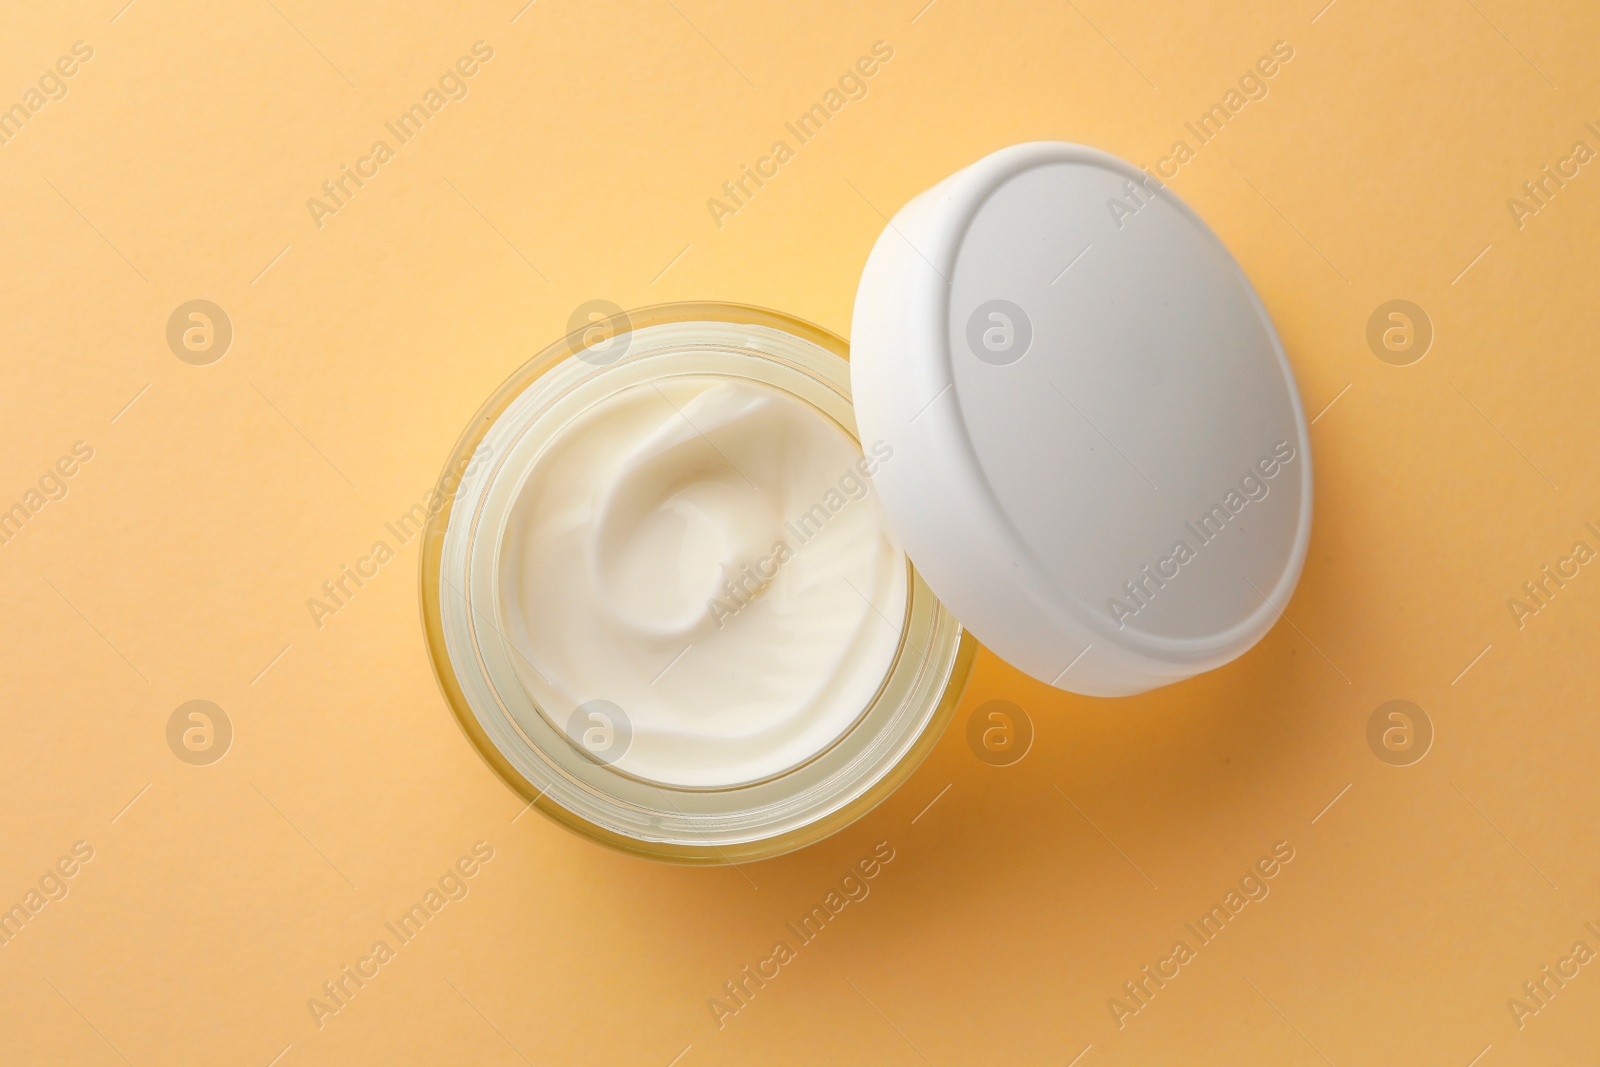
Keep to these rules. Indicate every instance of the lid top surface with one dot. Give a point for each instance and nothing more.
(1116, 397)
(1134, 404)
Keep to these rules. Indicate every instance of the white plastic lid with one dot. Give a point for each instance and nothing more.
(1100, 461)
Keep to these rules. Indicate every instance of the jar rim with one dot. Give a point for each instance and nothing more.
(951, 650)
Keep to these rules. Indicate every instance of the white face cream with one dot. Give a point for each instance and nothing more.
(662, 596)
(705, 555)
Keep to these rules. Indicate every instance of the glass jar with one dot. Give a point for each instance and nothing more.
(540, 746)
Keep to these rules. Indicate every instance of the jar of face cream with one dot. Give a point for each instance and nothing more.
(673, 585)
(663, 598)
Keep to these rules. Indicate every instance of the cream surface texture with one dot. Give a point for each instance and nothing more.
(706, 555)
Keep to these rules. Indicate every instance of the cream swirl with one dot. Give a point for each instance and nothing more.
(706, 554)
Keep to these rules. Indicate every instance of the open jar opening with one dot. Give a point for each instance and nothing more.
(662, 597)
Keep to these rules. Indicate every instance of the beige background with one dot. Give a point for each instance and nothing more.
(219, 498)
